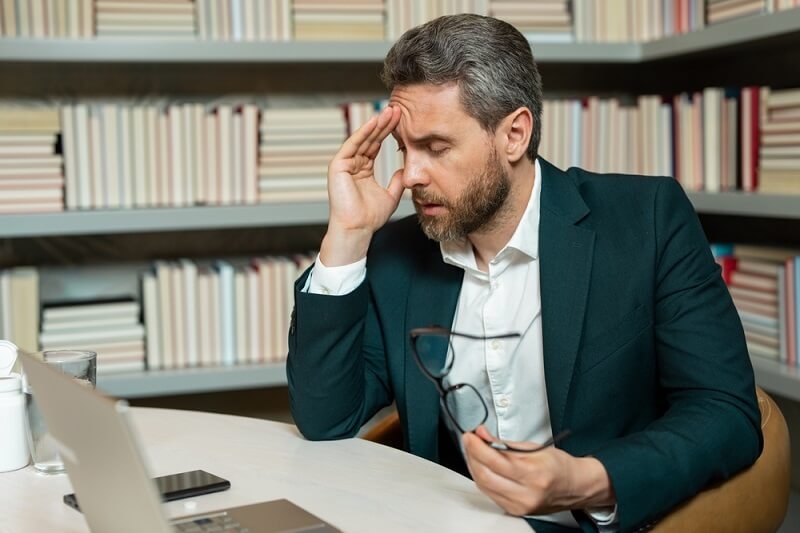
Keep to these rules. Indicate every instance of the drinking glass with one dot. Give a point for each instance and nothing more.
(82, 366)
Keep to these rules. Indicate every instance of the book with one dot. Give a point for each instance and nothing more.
(92, 335)
(125, 309)
(152, 320)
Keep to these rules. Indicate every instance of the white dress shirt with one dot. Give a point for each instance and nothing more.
(508, 373)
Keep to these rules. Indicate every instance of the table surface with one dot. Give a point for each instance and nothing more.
(354, 484)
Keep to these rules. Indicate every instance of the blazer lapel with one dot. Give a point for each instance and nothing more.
(432, 300)
(565, 252)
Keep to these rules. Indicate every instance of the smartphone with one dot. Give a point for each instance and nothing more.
(177, 486)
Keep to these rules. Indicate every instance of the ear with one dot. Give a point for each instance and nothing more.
(515, 133)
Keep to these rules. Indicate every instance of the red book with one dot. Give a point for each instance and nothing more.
(750, 138)
(728, 264)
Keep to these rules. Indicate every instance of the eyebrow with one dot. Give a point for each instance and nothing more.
(425, 139)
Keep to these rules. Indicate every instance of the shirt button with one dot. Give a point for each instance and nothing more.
(495, 344)
(503, 402)
(326, 290)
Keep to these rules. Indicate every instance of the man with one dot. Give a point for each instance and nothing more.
(627, 335)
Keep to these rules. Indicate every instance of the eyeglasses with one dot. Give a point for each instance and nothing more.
(462, 403)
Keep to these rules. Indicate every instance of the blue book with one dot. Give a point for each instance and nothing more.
(721, 249)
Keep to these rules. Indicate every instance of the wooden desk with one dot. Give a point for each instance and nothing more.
(354, 484)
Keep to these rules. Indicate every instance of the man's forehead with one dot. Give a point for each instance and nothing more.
(425, 95)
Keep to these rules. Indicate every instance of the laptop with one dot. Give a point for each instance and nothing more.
(101, 454)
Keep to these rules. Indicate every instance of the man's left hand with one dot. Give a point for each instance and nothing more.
(541, 482)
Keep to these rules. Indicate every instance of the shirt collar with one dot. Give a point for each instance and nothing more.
(525, 238)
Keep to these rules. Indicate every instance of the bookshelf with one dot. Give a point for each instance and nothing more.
(36, 68)
(746, 204)
(192, 380)
(745, 31)
(778, 378)
(110, 222)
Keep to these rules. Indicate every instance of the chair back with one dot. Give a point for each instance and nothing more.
(753, 501)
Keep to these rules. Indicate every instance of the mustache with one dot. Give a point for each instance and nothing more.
(424, 197)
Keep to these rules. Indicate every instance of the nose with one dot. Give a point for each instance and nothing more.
(415, 172)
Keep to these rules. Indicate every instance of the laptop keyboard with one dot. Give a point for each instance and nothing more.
(216, 523)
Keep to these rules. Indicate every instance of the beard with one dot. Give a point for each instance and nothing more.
(476, 208)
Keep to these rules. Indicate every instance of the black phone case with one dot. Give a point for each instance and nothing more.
(220, 485)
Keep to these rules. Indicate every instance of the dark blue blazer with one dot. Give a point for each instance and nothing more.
(644, 355)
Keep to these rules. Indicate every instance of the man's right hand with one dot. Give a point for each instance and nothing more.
(359, 205)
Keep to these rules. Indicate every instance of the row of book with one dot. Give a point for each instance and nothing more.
(225, 312)
(647, 20)
(220, 312)
(60, 19)
(312, 20)
(711, 140)
(119, 155)
(764, 283)
(189, 314)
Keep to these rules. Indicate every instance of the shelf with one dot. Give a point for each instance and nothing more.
(195, 51)
(746, 204)
(747, 30)
(777, 378)
(742, 31)
(106, 222)
(192, 380)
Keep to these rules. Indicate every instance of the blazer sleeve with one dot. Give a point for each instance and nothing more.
(335, 367)
(710, 428)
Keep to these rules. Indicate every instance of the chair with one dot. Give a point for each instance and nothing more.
(752, 501)
(386, 431)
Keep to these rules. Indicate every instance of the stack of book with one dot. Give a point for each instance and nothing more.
(779, 158)
(19, 307)
(47, 18)
(112, 328)
(762, 283)
(350, 20)
(219, 313)
(295, 148)
(145, 18)
(31, 175)
(244, 20)
(722, 10)
(542, 21)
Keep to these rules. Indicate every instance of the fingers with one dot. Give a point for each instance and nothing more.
(507, 492)
(367, 139)
(387, 122)
(484, 455)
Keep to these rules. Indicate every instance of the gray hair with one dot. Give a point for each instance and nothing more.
(489, 60)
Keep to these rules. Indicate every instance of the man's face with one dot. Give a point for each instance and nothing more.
(450, 163)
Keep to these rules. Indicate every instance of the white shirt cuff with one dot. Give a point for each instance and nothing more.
(604, 517)
(335, 281)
